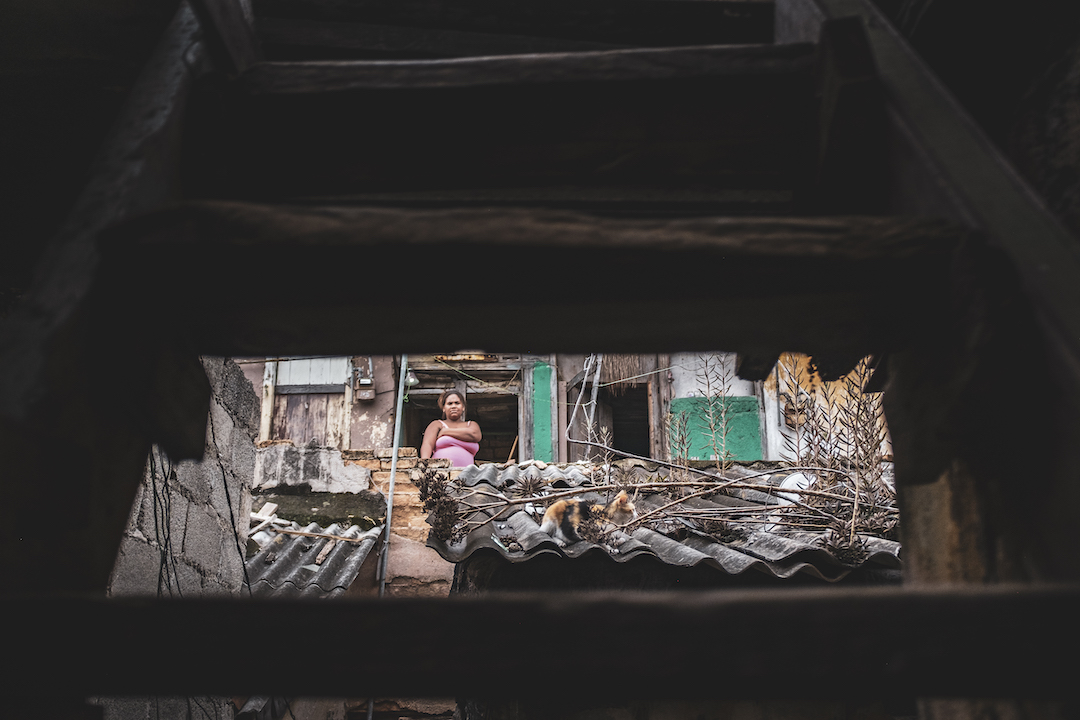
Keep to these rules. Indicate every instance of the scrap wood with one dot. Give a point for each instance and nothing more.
(326, 551)
(265, 521)
(319, 535)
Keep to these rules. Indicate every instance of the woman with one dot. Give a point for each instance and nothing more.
(453, 437)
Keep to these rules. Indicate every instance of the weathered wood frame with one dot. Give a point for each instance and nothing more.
(990, 642)
(831, 644)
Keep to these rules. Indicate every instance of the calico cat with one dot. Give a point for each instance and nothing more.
(563, 517)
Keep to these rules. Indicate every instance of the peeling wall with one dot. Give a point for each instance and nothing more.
(373, 420)
(317, 469)
(688, 375)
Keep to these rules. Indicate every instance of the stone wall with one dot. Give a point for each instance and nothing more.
(189, 522)
(188, 529)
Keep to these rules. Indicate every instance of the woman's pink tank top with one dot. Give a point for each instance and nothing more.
(459, 452)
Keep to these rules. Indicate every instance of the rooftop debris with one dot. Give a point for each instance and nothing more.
(842, 506)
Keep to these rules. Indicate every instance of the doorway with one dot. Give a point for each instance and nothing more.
(497, 415)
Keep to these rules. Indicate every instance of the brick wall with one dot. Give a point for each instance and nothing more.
(413, 569)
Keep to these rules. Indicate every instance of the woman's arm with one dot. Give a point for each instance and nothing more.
(469, 433)
(427, 447)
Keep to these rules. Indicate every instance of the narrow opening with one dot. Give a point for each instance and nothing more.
(629, 418)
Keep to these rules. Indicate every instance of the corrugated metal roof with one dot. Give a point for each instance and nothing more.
(746, 547)
(322, 563)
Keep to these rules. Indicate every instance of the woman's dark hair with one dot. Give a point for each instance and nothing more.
(464, 405)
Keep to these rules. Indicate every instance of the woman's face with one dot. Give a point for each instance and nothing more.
(452, 407)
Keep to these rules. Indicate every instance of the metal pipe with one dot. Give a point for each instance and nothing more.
(595, 387)
(384, 555)
(393, 475)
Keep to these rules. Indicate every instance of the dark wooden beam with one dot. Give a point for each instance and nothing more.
(624, 22)
(1020, 294)
(318, 39)
(851, 163)
(77, 423)
(228, 34)
(848, 286)
(866, 644)
(942, 164)
(665, 119)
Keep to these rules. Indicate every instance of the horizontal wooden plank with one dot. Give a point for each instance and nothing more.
(308, 389)
(630, 22)
(625, 201)
(843, 285)
(503, 368)
(473, 389)
(298, 39)
(598, 66)
(869, 643)
(689, 118)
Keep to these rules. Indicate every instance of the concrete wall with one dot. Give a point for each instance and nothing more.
(188, 528)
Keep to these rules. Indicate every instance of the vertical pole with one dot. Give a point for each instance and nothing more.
(385, 554)
(393, 475)
(268, 391)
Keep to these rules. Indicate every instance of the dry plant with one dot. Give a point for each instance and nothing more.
(440, 504)
(529, 486)
(816, 509)
(601, 439)
(840, 430)
(797, 404)
(679, 433)
(715, 377)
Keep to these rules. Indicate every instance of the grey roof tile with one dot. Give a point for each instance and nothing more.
(289, 566)
(753, 548)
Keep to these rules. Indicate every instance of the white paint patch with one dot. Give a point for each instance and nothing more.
(320, 468)
(688, 373)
